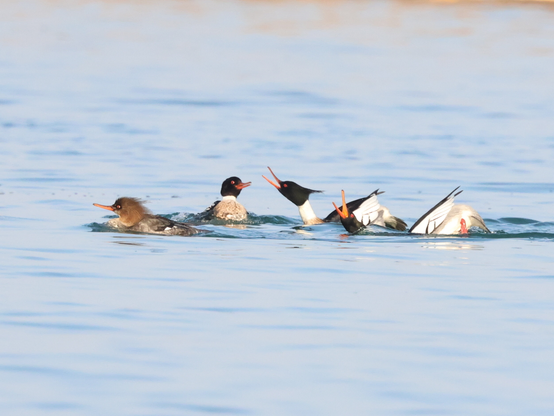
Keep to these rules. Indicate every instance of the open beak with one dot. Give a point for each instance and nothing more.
(109, 208)
(344, 213)
(243, 185)
(276, 179)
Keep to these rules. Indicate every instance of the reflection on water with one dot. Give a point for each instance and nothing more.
(236, 226)
(128, 243)
(451, 245)
(303, 232)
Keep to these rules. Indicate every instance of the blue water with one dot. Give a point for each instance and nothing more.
(164, 100)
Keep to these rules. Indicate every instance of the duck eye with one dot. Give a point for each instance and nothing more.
(232, 182)
(351, 215)
(285, 185)
(118, 206)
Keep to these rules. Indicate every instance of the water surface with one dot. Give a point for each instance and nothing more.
(164, 100)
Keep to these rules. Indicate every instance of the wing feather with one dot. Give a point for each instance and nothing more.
(352, 207)
(435, 216)
(367, 211)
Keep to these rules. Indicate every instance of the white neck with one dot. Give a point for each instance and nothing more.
(229, 198)
(307, 213)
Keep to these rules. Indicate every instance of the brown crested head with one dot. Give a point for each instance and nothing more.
(130, 210)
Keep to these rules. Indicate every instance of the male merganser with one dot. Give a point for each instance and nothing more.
(133, 216)
(228, 208)
(447, 218)
(299, 196)
(367, 213)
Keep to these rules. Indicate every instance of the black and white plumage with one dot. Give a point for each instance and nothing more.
(449, 218)
(368, 212)
(299, 196)
(228, 208)
(134, 216)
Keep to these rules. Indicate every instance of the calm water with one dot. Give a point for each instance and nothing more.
(163, 100)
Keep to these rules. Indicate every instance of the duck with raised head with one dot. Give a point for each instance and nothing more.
(368, 213)
(134, 216)
(228, 208)
(299, 196)
(449, 218)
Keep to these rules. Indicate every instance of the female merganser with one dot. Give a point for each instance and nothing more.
(228, 208)
(299, 196)
(447, 218)
(367, 213)
(133, 216)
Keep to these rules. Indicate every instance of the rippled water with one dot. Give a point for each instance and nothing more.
(164, 100)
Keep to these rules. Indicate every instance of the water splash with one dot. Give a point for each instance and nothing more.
(281, 227)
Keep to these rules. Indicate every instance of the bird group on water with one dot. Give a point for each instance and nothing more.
(444, 218)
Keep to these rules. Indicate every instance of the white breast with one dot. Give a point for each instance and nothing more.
(308, 215)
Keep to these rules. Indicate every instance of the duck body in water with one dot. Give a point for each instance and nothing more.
(299, 196)
(134, 216)
(448, 218)
(228, 208)
(368, 213)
